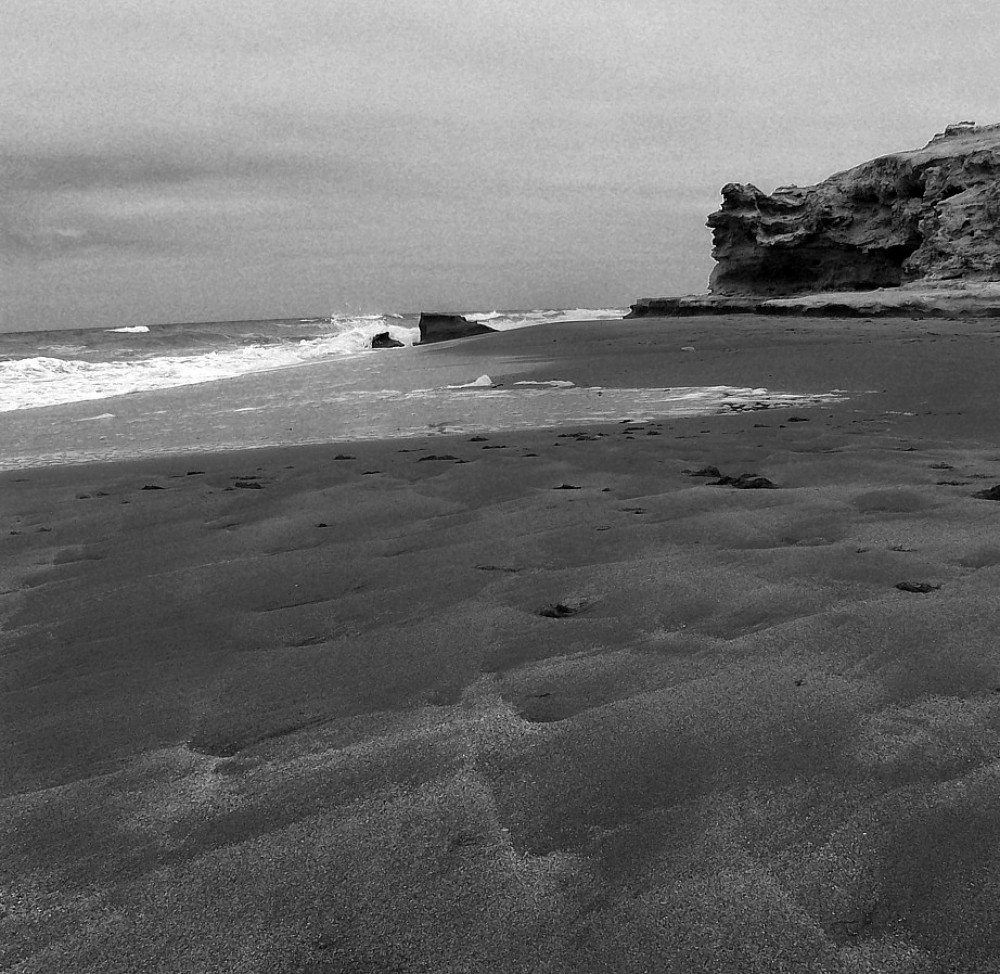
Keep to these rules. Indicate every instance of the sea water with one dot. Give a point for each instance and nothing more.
(48, 368)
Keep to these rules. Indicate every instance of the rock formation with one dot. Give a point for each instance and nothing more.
(913, 233)
(384, 340)
(441, 327)
(922, 299)
(929, 214)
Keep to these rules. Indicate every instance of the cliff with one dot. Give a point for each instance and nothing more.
(923, 216)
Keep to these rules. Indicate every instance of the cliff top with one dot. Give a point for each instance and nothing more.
(959, 139)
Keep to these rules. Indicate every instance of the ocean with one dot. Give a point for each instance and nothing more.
(83, 395)
(46, 368)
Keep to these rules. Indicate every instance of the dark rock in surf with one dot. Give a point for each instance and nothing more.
(442, 327)
(384, 340)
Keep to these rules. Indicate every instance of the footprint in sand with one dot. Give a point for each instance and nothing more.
(562, 610)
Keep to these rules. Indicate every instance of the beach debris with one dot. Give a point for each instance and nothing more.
(687, 348)
(940, 466)
(478, 439)
(633, 510)
(152, 487)
(248, 485)
(367, 473)
(797, 419)
(952, 483)
(194, 473)
(436, 456)
(496, 568)
(344, 456)
(745, 481)
(921, 588)
(483, 382)
(495, 446)
(708, 471)
(989, 494)
(567, 487)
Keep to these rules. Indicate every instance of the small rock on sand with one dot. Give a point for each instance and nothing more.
(922, 588)
(745, 481)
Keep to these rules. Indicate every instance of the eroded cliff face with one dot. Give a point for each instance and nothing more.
(931, 214)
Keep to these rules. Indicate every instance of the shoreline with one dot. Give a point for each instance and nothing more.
(396, 392)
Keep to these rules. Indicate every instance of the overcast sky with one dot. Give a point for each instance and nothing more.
(170, 160)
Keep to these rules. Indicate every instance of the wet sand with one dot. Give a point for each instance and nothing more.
(541, 701)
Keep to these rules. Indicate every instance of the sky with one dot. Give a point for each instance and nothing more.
(179, 160)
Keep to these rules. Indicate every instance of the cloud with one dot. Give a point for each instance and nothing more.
(61, 199)
(140, 166)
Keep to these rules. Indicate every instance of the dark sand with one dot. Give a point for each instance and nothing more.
(294, 713)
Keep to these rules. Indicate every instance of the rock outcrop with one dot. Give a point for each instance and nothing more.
(927, 215)
(441, 327)
(384, 340)
(923, 299)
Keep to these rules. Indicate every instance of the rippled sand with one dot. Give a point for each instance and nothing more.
(529, 700)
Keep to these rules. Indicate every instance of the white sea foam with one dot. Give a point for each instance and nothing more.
(130, 330)
(371, 413)
(46, 381)
(509, 320)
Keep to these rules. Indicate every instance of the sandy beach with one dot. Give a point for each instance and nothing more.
(545, 699)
